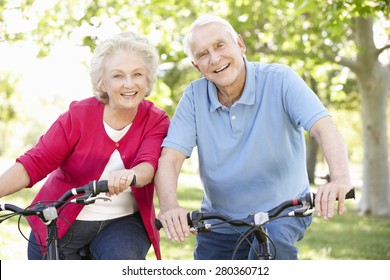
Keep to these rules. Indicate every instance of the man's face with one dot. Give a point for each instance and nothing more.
(217, 56)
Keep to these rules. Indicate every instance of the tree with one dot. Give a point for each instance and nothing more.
(317, 37)
(374, 83)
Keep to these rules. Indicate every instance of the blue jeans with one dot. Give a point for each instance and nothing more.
(284, 232)
(123, 238)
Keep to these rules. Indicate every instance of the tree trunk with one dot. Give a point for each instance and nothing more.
(373, 79)
(375, 193)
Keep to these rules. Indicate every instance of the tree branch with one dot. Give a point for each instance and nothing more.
(328, 55)
(379, 51)
(347, 62)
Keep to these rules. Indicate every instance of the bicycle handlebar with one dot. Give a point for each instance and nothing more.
(48, 211)
(91, 190)
(306, 199)
(195, 219)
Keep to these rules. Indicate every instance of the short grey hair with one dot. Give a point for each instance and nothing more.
(203, 20)
(127, 41)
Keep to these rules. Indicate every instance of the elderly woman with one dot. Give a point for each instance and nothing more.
(113, 136)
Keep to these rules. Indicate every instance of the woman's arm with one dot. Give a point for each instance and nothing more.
(14, 179)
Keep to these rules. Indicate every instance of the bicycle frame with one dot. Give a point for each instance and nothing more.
(53, 252)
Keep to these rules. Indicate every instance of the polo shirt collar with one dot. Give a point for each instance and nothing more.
(248, 95)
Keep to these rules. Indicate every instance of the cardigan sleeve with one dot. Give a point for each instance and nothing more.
(50, 151)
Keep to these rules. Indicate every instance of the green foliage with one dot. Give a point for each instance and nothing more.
(304, 34)
(7, 89)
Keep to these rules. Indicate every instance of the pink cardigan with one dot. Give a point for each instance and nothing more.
(76, 149)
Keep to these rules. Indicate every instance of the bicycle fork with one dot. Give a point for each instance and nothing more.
(262, 250)
(53, 252)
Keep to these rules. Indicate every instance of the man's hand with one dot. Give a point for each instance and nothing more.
(326, 197)
(175, 223)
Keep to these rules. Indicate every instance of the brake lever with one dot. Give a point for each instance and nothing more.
(304, 211)
(94, 198)
(89, 199)
(195, 222)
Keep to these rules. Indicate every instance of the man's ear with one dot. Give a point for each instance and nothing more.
(241, 44)
(196, 66)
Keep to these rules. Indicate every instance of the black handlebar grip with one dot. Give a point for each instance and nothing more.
(158, 224)
(350, 194)
(101, 186)
(189, 218)
(134, 181)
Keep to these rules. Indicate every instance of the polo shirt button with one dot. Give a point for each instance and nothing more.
(117, 144)
(123, 157)
(233, 117)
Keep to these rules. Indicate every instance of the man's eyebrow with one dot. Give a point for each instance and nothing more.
(199, 51)
(217, 41)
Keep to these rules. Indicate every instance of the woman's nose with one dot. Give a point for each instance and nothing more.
(128, 82)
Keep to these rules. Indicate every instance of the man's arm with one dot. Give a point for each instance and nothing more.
(335, 152)
(172, 216)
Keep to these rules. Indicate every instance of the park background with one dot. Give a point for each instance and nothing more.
(340, 48)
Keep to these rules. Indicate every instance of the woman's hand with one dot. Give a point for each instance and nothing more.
(120, 180)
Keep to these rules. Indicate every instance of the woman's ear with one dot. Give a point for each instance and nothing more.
(102, 87)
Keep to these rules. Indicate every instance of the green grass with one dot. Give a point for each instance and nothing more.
(349, 237)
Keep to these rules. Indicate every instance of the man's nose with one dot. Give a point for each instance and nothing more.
(214, 57)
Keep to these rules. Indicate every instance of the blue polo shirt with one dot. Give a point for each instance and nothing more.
(252, 155)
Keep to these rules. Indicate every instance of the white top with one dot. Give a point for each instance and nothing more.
(120, 205)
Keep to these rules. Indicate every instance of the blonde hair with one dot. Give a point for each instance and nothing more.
(203, 20)
(127, 41)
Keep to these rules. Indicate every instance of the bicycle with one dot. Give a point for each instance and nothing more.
(255, 222)
(48, 212)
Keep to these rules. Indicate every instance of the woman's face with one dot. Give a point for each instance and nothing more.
(124, 80)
